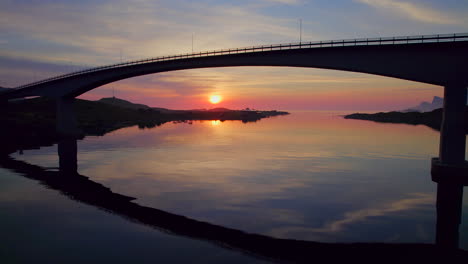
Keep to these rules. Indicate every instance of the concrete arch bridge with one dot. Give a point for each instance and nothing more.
(434, 59)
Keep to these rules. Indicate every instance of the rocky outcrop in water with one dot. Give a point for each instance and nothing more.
(431, 119)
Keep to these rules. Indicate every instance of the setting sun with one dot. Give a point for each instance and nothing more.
(214, 99)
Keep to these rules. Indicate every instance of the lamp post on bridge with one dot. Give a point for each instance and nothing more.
(300, 31)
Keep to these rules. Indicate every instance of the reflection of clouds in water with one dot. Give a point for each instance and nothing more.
(417, 200)
(420, 199)
(422, 232)
(214, 190)
(272, 215)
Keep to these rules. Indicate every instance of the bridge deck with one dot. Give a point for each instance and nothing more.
(274, 47)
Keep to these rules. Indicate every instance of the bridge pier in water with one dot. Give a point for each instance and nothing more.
(66, 123)
(67, 128)
(450, 170)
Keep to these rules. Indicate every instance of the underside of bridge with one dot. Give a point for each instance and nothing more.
(444, 64)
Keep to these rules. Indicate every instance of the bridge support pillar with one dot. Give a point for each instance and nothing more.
(66, 123)
(450, 170)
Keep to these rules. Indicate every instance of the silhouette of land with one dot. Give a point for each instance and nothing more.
(32, 122)
(431, 119)
(82, 189)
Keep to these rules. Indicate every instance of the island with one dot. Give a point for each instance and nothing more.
(30, 123)
(432, 119)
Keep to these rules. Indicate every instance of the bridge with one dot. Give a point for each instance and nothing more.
(434, 59)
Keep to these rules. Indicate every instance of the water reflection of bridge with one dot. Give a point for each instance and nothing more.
(80, 188)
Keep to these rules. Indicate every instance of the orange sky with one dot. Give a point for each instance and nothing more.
(270, 88)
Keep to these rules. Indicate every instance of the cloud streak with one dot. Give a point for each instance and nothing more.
(416, 12)
(418, 200)
(286, 2)
(95, 34)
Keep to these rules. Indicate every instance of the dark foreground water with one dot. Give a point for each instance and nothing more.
(310, 176)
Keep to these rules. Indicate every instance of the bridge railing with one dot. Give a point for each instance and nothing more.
(274, 47)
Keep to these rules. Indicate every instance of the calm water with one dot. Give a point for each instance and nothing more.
(310, 175)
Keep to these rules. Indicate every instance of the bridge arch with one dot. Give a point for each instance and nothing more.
(433, 64)
(437, 59)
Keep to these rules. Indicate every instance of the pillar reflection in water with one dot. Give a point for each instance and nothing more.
(449, 207)
(68, 151)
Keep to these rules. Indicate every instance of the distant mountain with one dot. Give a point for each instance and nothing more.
(122, 103)
(195, 114)
(127, 104)
(162, 110)
(170, 111)
(219, 109)
(437, 102)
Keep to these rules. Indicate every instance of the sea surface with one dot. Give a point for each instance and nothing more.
(310, 175)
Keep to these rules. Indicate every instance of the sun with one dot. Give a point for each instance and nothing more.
(214, 99)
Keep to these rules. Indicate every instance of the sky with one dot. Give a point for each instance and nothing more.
(44, 38)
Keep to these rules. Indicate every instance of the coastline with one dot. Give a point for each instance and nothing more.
(31, 123)
(431, 119)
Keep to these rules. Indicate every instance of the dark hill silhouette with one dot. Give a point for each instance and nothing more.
(32, 121)
(127, 104)
(122, 103)
(219, 109)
